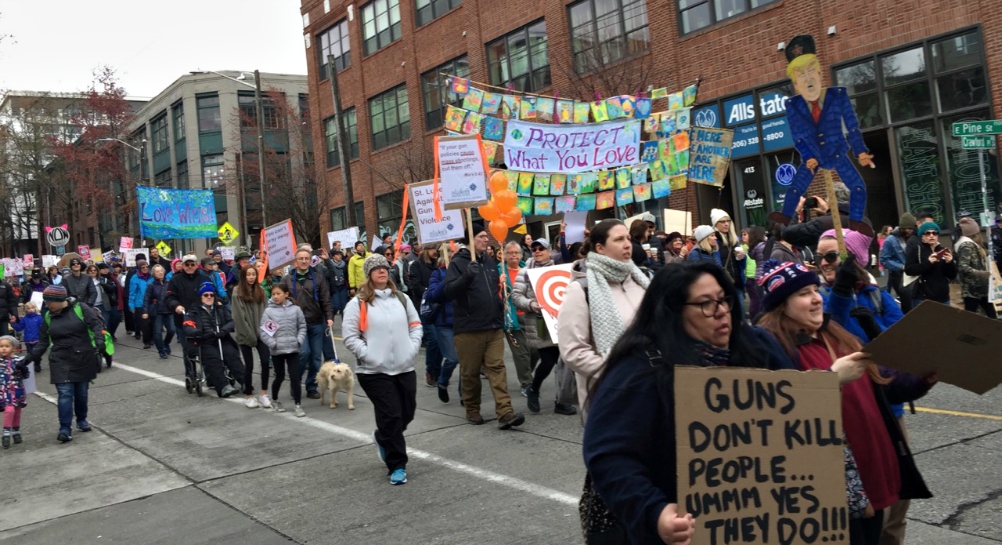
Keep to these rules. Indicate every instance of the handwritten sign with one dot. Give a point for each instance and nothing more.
(541, 147)
(130, 255)
(49, 260)
(423, 211)
(28, 261)
(462, 178)
(176, 213)
(550, 284)
(760, 456)
(347, 237)
(281, 244)
(709, 155)
(125, 243)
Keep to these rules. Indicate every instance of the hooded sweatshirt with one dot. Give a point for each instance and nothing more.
(378, 340)
(291, 333)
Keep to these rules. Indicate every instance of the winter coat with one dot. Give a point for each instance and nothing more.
(808, 233)
(137, 291)
(356, 270)
(391, 337)
(418, 279)
(291, 333)
(219, 284)
(247, 320)
(337, 274)
(886, 311)
(202, 324)
(934, 278)
(512, 322)
(81, 287)
(31, 325)
(735, 267)
(476, 303)
(182, 290)
(783, 254)
(73, 357)
(758, 254)
(523, 296)
(28, 289)
(101, 301)
(109, 284)
(155, 299)
(892, 253)
(697, 254)
(398, 272)
(312, 295)
(973, 268)
(436, 294)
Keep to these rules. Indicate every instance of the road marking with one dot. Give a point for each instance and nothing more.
(958, 413)
(483, 474)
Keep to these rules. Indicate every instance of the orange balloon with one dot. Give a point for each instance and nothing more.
(499, 229)
(499, 182)
(505, 200)
(489, 211)
(512, 217)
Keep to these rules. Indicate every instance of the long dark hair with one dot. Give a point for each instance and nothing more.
(251, 293)
(599, 234)
(756, 234)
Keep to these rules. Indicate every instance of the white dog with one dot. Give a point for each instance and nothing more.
(333, 377)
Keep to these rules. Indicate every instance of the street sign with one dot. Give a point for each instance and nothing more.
(163, 248)
(967, 128)
(977, 142)
(227, 234)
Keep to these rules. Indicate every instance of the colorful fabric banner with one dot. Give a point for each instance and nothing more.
(176, 213)
(536, 147)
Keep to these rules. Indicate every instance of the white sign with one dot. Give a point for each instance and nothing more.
(376, 243)
(462, 179)
(575, 229)
(29, 261)
(12, 267)
(125, 244)
(38, 300)
(270, 327)
(130, 255)
(347, 237)
(58, 236)
(228, 253)
(107, 256)
(281, 244)
(430, 231)
(550, 284)
(678, 220)
(49, 260)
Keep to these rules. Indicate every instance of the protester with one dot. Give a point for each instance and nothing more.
(37, 282)
(674, 248)
(109, 283)
(137, 292)
(932, 263)
(8, 304)
(77, 284)
(892, 258)
(182, 294)
(216, 276)
(972, 264)
(337, 269)
(732, 255)
(310, 292)
(13, 372)
(383, 330)
(284, 346)
(54, 275)
(241, 260)
(208, 327)
(157, 259)
(806, 233)
(706, 248)
(639, 236)
(175, 267)
(221, 264)
(30, 325)
(442, 321)
(156, 312)
(418, 278)
(356, 268)
(102, 302)
(249, 302)
(522, 354)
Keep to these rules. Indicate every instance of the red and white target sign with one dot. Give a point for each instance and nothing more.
(550, 285)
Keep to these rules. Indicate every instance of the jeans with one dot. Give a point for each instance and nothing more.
(394, 400)
(432, 352)
(72, 398)
(445, 336)
(160, 321)
(311, 354)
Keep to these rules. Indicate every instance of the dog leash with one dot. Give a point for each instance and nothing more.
(330, 333)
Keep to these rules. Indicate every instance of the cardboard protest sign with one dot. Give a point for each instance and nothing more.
(125, 243)
(961, 347)
(423, 211)
(130, 255)
(348, 237)
(84, 251)
(709, 155)
(678, 220)
(106, 257)
(549, 284)
(228, 253)
(16, 267)
(49, 260)
(760, 455)
(281, 244)
(28, 261)
(462, 171)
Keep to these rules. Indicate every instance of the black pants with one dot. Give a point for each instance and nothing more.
(394, 399)
(895, 282)
(282, 362)
(143, 326)
(248, 354)
(866, 531)
(971, 304)
(547, 359)
(129, 320)
(213, 362)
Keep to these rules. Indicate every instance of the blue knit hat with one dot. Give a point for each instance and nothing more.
(206, 287)
(928, 226)
(781, 280)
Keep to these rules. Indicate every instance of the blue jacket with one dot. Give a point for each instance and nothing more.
(892, 254)
(31, 325)
(137, 291)
(824, 140)
(436, 294)
(697, 254)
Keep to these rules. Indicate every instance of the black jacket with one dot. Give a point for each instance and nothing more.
(205, 325)
(312, 295)
(28, 288)
(183, 290)
(110, 286)
(8, 301)
(807, 233)
(81, 288)
(155, 298)
(934, 278)
(418, 278)
(477, 306)
(73, 357)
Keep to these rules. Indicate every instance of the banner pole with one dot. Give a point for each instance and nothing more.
(469, 228)
(836, 217)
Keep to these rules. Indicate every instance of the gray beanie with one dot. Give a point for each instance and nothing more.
(842, 193)
(373, 262)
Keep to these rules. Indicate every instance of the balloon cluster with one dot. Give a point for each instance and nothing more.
(501, 211)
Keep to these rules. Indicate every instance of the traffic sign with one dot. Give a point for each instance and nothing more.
(227, 234)
(967, 128)
(977, 142)
(163, 248)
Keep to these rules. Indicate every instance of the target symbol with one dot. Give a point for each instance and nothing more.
(550, 288)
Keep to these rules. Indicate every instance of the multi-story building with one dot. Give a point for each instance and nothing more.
(912, 69)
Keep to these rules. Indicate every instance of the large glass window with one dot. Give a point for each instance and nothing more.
(920, 168)
(213, 177)
(334, 41)
(248, 112)
(177, 114)
(330, 135)
(338, 221)
(390, 116)
(860, 80)
(604, 31)
(182, 175)
(158, 129)
(429, 10)
(208, 114)
(697, 14)
(162, 179)
(520, 59)
(380, 24)
(437, 91)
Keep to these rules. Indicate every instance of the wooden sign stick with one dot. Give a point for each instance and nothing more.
(833, 208)
(469, 228)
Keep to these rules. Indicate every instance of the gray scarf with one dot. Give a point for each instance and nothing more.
(606, 326)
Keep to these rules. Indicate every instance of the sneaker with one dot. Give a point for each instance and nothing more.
(265, 401)
(277, 405)
(147, 346)
(251, 403)
(509, 420)
(163, 356)
(64, 436)
(533, 396)
(399, 476)
(228, 391)
(313, 395)
(429, 381)
(565, 408)
(6, 441)
(300, 412)
(443, 393)
(84, 426)
(525, 390)
(474, 418)
(380, 451)
(167, 349)
(17, 437)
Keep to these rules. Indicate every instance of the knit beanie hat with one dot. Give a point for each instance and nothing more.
(907, 221)
(927, 226)
(478, 227)
(716, 215)
(856, 243)
(702, 232)
(968, 227)
(54, 293)
(206, 287)
(781, 280)
(842, 193)
(672, 236)
(374, 261)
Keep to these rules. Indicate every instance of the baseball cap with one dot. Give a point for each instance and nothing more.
(189, 257)
(542, 242)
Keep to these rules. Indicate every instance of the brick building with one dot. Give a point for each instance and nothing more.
(912, 68)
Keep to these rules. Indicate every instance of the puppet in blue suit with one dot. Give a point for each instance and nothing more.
(815, 116)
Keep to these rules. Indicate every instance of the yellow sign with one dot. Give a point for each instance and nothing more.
(164, 248)
(521, 229)
(227, 234)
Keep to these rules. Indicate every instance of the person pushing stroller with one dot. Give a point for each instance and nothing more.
(208, 327)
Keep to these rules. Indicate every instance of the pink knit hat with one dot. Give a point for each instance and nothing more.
(856, 243)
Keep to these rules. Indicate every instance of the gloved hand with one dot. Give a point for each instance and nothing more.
(982, 275)
(867, 321)
(24, 370)
(99, 347)
(846, 277)
(474, 269)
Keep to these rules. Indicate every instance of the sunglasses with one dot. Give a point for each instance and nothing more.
(208, 295)
(927, 233)
(830, 257)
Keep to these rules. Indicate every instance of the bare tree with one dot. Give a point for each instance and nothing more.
(599, 72)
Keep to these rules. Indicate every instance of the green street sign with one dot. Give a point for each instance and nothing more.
(977, 142)
(968, 128)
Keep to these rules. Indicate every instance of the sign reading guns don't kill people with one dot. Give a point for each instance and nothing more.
(760, 456)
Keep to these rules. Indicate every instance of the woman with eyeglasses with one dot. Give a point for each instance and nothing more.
(397, 271)
(932, 263)
(137, 293)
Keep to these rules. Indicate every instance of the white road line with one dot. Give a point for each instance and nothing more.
(483, 474)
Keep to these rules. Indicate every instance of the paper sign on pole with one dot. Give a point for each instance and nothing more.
(228, 253)
(130, 255)
(760, 455)
(84, 251)
(548, 147)
(678, 220)
(13, 267)
(422, 207)
(28, 261)
(36, 297)
(550, 284)
(376, 243)
(709, 155)
(348, 237)
(575, 228)
(125, 244)
(462, 178)
(107, 256)
(49, 260)
(281, 244)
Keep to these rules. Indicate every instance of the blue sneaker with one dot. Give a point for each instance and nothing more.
(381, 452)
(399, 476)
(84, 426)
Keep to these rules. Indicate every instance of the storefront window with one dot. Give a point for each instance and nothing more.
(957, 52)
(920, 168)
(751, 182)
(904, 66)
(781, 167)
(867, 109)
(961, 89)
(860, 80)
(964, 173)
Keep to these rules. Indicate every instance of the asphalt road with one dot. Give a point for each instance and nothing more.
(163, 466)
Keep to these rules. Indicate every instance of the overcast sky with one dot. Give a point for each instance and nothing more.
(55, 45)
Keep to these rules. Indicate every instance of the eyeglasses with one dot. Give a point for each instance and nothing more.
(709, 308)
(927, 233)
(208, 295)
(538, 249)
(830, 257)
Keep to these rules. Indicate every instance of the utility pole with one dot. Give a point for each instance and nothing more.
(260, 144)
(342, 152)
(242, 195)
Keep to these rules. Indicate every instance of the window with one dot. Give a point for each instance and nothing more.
(339, 222)
(162, 179)
(213, 178)
(248, 112)
(177, 113)
(959, 72)
(182, 175)
(520, 59)
(380, 24)
(348, 117)
(436, 90)
(429, 10)
(605, 31)
(158, 129)
(390, 116)
(334, 41)
(697, 14)
(208, 113)
(389, 211)
(860, 80)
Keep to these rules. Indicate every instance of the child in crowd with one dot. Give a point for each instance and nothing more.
(31, 326)
(289, 326)
(13, 371)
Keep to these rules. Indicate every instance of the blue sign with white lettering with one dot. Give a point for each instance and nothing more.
(707, 117)
(771, 103)
(739, 110)
(745, 141)
(776, 134)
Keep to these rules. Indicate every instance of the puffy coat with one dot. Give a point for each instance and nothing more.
(155, 298)
(73, 357)
(356, 270)
(418, 279)
(247, 319)
(137, 291)
(31, 325)
(436, 294)
(392, 336)
(29, 288)
(82, 287)
(524, 295)
(201, 324)
(476, 303)
(291, 333)
(111, 288)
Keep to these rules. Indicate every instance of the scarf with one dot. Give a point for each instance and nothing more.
(606, 327)
(711, 355)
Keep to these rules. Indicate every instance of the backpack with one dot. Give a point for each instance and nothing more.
(429, 311)
(109, 344)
